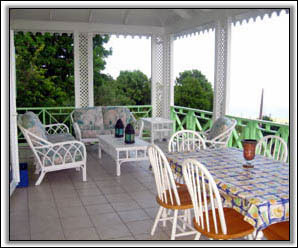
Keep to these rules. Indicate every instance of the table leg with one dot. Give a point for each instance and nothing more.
(118, 170)
(99, 150)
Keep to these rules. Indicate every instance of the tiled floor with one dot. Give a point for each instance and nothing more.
(106, 207)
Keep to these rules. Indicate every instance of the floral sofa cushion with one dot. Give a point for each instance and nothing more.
(90, 121)
(56, 138)
(112, 114)
(219, 126)
(31, 122)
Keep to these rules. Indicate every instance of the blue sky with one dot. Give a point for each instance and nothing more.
(259, 59)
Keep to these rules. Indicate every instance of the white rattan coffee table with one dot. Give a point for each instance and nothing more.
(122, 152)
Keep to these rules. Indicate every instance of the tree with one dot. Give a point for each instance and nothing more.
(193, 90)
(45, 68)
(135, 86)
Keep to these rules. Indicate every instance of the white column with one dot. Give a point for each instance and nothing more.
(83, 63)
(156, 75)
(162, 90)
(14, 149)
(168, 89)
(222, 67)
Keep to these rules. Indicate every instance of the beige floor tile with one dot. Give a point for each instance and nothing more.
(112, 189)
(158, 235)
(76, 222)
(69, 201)
(82, 234)
(49, 235)
(89, 192)
(118, 197)
(43, 224)
(108, 219)
(74, 211)
(125, 206)
(44, 211)
(19, 236)
(110, 231)
(94, 200)
(99, 209)
(140, 227)
(133, 215)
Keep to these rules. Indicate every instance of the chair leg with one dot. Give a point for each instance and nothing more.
(160, 210)
(174, 225)
(39, 180)
(198, 236)
(84, 174)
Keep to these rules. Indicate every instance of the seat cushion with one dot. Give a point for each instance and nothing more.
(236, 225)
(220, 125)
(111, 114)
(56, 138)
(90, 119)
(278, 231)
(31, 122)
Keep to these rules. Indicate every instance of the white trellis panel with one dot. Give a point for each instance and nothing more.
(83, 54)
(222, 65)
(168, 89)
(157, 75)
(14, 149)
(162, 93)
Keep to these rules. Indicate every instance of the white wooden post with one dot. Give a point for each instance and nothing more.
(162, 90)
(14, 149)
(222, 67)
(83, 63)
(168, 89)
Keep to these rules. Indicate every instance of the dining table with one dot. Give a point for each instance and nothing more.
(260, 194)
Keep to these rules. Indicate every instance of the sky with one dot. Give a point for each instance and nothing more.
(259, 60)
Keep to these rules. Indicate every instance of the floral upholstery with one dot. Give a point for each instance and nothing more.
(56, 138)
(219, 126)
(31, 122)
(112, 114)
(90, 121)
(93, 121)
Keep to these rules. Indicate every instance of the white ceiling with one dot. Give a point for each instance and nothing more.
(130, 21)
(142, 17)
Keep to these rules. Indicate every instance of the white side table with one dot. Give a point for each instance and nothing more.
(159, 127)
(122, 152)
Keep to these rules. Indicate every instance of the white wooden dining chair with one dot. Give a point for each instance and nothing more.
(274, 147)
(186, 140)
(214, 222)
(170, 197)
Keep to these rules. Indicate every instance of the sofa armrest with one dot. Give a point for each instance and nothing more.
(56, 128)
(77, 130)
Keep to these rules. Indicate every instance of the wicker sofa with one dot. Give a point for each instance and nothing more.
(92, 121)
(54, 148)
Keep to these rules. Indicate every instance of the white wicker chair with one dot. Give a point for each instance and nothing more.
(53, 154)
(215, 139)
(273, 147)
(170, 197)
(186, 140)
(214, 222)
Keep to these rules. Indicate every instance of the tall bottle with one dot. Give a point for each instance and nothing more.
(129, 134)
(119, 129)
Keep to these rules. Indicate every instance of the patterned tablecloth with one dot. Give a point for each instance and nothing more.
(261, 193)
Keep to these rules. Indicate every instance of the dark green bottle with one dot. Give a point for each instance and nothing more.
(119, 129)
(129, 134)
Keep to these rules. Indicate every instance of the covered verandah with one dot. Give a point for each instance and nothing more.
(163, 26)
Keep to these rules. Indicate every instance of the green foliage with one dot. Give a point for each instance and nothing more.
(193, 90)
(45, 68)
(135, 86)
(130, 88)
